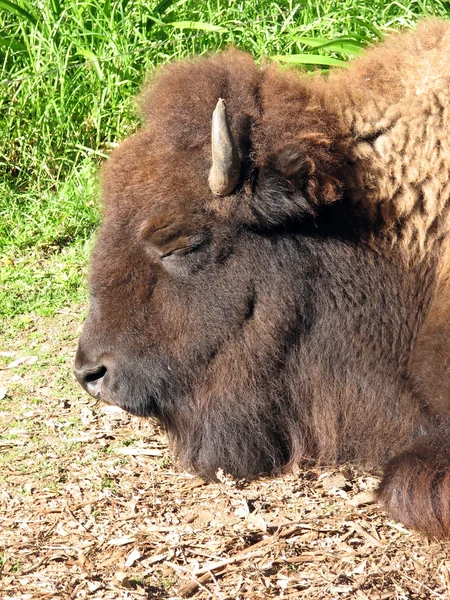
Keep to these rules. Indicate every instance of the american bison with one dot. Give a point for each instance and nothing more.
(272, 277)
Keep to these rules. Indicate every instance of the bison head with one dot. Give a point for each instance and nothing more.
(200, 289)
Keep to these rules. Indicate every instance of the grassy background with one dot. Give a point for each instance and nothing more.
(69, 73)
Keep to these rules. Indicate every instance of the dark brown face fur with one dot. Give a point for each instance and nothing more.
(246, 342)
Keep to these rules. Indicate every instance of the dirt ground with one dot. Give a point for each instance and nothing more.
(92, 506)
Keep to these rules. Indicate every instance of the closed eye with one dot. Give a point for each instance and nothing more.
(183, 250)
(187, 260)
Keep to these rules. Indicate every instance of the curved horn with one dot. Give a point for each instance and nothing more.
(226, 165)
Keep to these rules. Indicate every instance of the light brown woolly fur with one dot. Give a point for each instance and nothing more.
(305, 316)
(393, 109)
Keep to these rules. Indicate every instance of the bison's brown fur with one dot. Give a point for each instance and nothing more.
(306, 315)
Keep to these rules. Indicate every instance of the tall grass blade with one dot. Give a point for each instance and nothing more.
(197, 25)
(342, 44)
(6, 42)
(56, 8)
(161, 7)
(370, 26)
(18, 10)
(90, 56)
(310, 59)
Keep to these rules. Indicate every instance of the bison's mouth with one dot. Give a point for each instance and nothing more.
(132, 398)
(131, 402)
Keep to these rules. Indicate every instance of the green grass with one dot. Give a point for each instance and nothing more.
(44, 242)
(69, 75)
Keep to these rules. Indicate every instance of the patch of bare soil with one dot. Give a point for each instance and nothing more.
(92, 506)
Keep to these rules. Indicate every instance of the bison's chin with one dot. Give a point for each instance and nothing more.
(138, 408)
(242, 443)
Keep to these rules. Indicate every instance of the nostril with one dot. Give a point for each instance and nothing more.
(94, 376)
(91, 379)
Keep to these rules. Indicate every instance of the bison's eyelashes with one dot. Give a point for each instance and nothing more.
(177, 247)
(181, 251)
(177, 237)
(250, 307)
(182, 257)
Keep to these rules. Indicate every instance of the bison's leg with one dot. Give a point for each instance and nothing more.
(415, 488)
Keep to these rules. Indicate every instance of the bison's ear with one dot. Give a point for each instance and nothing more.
(292, 185)
(171, 233)
(276, 201)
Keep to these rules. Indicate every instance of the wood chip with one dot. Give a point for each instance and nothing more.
(134, 556)
(122, 541)
(362, 499)
(130, 451)
(24, 360)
